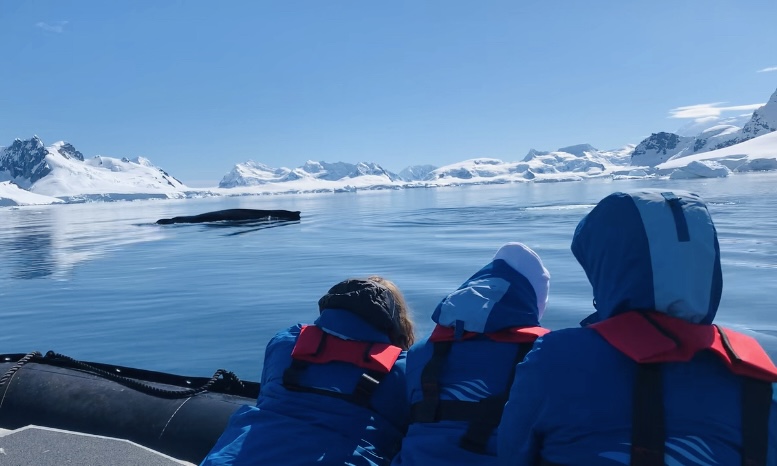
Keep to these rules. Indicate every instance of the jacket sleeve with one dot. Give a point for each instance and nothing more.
(519, 438)
(278, 352)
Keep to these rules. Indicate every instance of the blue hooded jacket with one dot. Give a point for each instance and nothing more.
(495, 298)
(300, 428)
(571, 401)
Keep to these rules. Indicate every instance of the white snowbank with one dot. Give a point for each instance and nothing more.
(12, 195)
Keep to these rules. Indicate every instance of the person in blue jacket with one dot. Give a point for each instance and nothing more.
(648, 379)
(459, 377)
(332, 393)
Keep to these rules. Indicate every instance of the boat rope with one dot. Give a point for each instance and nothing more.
(7, 376)
(219, 375)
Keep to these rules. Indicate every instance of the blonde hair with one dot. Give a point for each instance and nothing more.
(406, 336)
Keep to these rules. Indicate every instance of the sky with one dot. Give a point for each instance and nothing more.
(199, 86)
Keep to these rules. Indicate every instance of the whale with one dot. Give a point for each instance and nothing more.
(233, 215)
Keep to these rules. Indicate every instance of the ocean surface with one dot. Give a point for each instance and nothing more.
(102, 282)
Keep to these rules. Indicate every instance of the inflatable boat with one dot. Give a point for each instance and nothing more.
(176, 416)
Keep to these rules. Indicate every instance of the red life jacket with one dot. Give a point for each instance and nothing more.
(508, 335)
(653, 338)
(314, 346)
(669, 339)
(483, 416)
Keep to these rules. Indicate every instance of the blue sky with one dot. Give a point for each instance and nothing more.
(198, 86)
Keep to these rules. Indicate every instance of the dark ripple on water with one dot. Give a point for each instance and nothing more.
(499, 215)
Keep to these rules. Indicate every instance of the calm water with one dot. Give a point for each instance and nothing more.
(102, 282)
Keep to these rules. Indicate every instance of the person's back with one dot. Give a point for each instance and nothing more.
(648, 380)
(458, 378)
(332, 393)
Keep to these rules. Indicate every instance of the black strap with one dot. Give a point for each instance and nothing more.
(428, 409)
(648, 430)
(681, 223)
(481, 428)
(756, 404)
(368, 382)
(453, 410)
(483, 416)
(292, 374)
(362, 394)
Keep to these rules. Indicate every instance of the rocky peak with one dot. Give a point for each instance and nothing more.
(763, 121)
(658, 148)
(68, 151)
(25, 159)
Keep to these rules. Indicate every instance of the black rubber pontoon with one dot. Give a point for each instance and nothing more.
(175, 415)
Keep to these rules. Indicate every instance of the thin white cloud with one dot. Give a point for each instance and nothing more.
(707, 111)
(766, 70)
(57, 26)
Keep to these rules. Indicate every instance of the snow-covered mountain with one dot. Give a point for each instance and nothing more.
(756, 154)
(416, 172)
(60, 171)
(565, 164)
(255, 174)
(31, 173)
(25, 161)
(699, 125)
(69, 178)
(662, 147)
(764, 120)
(580, 158)
(569, 163)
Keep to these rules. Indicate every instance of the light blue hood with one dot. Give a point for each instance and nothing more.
(511, 291)
(651, 250)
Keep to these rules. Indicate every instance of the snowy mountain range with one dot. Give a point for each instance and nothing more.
(32, 173)
(661, 147)
(255, 174)
(60, 171)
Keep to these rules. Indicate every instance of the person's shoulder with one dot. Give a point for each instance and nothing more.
(400, 365)
(401, 359)
(564, 335)
(565, 342)
(418, 351)
(286, 336)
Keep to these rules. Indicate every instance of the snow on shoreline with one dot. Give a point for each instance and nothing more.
(139, 180)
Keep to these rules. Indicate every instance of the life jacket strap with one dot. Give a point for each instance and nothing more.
(365, 388)
(648, 429)
(756, 405)
(315, 346)
(483, 416)
(361, 395)
(482, 426)
(428, 409)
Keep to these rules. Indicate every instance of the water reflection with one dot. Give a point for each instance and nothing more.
(257, 226)
(48, 241)
(30, 251)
